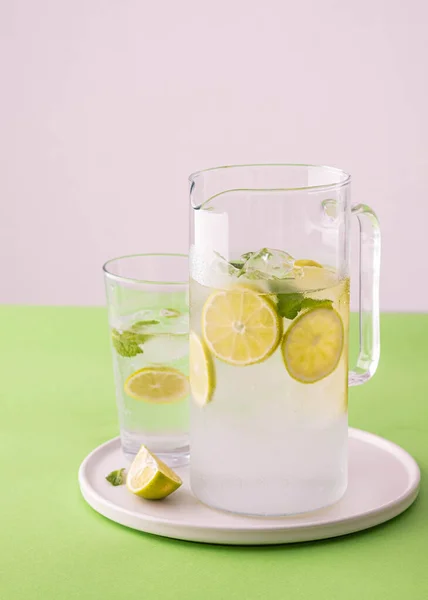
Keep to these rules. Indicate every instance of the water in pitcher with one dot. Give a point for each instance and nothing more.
(269, 369)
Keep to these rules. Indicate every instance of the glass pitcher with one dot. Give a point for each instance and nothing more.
(269, 320)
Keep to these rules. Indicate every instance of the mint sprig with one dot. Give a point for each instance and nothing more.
(127, 343)
(290, 305)
(116, 477)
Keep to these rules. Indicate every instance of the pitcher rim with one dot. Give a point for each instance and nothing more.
(345, 177)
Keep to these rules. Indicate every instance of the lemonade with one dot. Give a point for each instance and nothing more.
(268, 371)
(150, 359)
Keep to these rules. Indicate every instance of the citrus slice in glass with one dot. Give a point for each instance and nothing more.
(202, 374)
(240, 326)
(157, 384)
(313, 344)
(151, 478)
(307, 262)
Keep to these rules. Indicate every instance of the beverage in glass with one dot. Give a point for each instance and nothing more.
(147, 298)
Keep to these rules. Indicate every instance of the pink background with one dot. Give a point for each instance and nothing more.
(106, 106)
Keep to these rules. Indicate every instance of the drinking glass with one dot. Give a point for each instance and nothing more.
(269, 320)
(147, 299)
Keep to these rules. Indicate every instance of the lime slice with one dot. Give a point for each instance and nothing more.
(313, 344)
(307, 262)
(151, 478)
(202, 374)
(157, 384)
(240, 326)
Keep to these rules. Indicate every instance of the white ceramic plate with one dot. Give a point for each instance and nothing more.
(383, 482)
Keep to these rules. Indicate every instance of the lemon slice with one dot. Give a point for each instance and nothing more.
(157, 384)
(202, 374)
(240, 326)
(313, 344)
(307, 262)
(151, 478)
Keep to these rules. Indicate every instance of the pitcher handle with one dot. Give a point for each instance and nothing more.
(369, 257)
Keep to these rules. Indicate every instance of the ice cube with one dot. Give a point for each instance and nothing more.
(170, 313)
(267, 264)
(210, 268)
(221, 265)
(125, 322)
(165, 348)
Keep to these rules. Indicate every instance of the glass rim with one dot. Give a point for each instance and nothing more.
(120, 278)
(346, 177)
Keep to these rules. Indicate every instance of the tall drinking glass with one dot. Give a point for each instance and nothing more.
(269, 317)
(147, 299)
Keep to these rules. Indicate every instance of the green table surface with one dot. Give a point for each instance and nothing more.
(57, 400)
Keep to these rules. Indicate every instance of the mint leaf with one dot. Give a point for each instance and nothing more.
(116, 477)
(141, 324)
(289, 305)
(127, 343)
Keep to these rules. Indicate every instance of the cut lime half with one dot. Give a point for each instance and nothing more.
(151, 478)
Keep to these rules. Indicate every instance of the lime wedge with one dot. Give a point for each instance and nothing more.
(151, 478)
(202, 373)
(313, 344)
